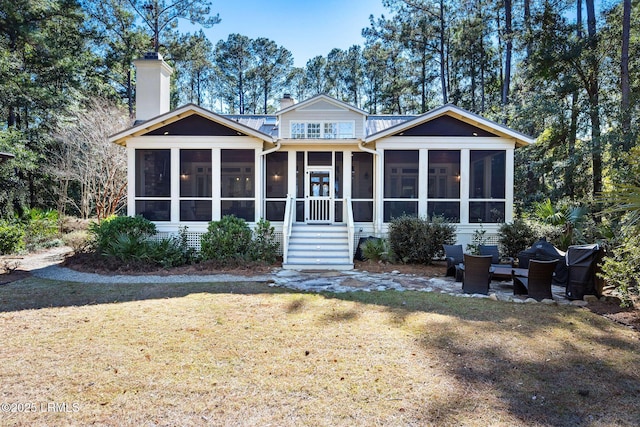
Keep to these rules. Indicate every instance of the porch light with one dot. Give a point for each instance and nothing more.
(184, 175)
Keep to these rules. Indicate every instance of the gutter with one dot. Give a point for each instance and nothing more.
(271, 150)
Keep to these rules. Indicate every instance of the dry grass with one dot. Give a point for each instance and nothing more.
(246, 354)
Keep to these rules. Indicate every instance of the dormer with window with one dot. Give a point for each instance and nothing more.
(321, 118)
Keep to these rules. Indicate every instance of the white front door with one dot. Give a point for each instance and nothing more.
(319, 195)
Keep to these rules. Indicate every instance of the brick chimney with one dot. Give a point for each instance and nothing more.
(286, 101)
(153, 89)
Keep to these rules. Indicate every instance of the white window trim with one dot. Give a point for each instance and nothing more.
(322, 124)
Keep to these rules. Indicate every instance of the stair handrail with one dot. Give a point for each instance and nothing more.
(350, 226)
(286, 227)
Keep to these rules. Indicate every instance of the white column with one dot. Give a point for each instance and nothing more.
(131, 181)
(465, 176)
(509, 182)
(216, 172)
(258, 190)
(175, 185)
(378, 192)
(423, 181)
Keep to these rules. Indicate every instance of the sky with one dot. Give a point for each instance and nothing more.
(307, 28)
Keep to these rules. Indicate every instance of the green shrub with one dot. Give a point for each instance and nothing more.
(40, 228)
(479, 238)
(377, 250)
(77, 240)
(11, 238)
(110, 229)
(620, 268)
(173, 251)
(264, 246)
(418, 240)
(516, 237)
(226, 240)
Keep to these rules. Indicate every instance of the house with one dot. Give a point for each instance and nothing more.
(323, 172)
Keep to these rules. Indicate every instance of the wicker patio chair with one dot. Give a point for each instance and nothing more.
(476, 274)
(537, 284)
(496, 259)
(454, 257)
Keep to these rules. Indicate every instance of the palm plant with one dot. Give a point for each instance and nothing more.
(566, 217)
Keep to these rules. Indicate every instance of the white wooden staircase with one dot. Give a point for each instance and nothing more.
(319, 247)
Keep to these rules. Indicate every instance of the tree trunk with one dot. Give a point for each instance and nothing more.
(527, 28)
(624, 77)
(443, 79)
(509, 48)
(594, 101)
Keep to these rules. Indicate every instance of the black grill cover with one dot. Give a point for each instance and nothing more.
(545, 251)
(582, 261)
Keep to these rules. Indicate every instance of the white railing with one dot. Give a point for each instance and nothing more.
(350, 225)
(320, 209)
(289, 214)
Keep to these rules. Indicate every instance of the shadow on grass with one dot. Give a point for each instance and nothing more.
(559, 381)
(35, 293)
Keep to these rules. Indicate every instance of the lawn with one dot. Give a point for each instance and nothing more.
(250, 355)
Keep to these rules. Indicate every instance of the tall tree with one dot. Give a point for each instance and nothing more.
(272, 66)
(625, 87)
(161, 15)
(234, 61)
(593, 91)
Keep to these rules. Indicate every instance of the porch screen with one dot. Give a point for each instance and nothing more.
(487, 186)
(195, 185)
(276, 185)
(153, 184)
(237, 180)
(401, 168)
(444, 184)
(362, 186)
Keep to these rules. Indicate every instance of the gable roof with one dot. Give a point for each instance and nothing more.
(184, 112)
(458, 113)
(319, 99)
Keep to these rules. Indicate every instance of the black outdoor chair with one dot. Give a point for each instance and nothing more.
(537, 284)
(496, 259)
(477, 274)
(454, 257)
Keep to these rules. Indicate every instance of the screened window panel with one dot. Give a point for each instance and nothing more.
(449, 210)
(154, 210)
(277, 174)
(153, 173)
(362, 176)
(401, 174)
(396, 209)
(486, 212)
(238, 173)
(488, 174)
(195, 210)
(444, 174)
(195, 173)
(244, 209)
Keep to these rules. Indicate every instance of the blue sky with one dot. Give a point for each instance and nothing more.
(307, 28)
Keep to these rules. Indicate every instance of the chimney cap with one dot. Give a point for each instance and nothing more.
(152, 55)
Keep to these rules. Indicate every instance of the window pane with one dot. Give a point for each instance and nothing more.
(320, 158)
(338, 211)
(244, 209)
(363, 211)
(277, 173)
(299, 211)
(313, 130)
(345, 130)
(488, 174)
(153, 173)
(486, 212)
(195, 210)
(195, 173)
(362, 176)
(444, 174)
(398, 209)
(401, 174)
(298, 130)
(330, 130)
(154, 210)
(275, 211)
(449, 210)
(237, 175)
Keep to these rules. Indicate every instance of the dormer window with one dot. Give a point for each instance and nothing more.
(323, 130)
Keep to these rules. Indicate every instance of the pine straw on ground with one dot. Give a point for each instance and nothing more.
(247, 354)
